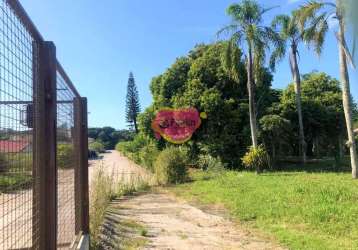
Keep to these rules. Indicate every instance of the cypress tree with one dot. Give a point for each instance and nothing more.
(132, 103)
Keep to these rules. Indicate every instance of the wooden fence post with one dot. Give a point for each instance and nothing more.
(81, 175)
(44, 146)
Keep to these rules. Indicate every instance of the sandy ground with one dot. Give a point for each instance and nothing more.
(115, 165)
(16, 215)
(174, 224)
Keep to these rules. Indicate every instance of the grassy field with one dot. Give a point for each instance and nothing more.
(301, 210)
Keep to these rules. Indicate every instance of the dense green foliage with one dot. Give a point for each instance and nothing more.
(132, 103)
(108, 136)
(97, 146)
(142, 150)
(201, 80)
(323, 113)
(65, 156)
(171, 166)
(301, 210)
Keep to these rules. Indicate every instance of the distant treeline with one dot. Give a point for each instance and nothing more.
(109, 136)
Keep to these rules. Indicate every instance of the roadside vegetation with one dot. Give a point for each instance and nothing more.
(15, 171)
(299, 139)
(105, 188)
(109, 136)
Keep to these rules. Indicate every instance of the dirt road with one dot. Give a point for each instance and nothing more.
(173, 224)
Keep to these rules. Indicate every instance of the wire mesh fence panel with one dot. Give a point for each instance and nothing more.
(17, 219)
(66, 163)
(28, 101)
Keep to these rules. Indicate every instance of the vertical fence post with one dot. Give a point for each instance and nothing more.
(81, 175)
(45, 193)
(84, 166)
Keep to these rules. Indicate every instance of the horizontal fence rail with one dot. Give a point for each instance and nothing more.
(43, 141)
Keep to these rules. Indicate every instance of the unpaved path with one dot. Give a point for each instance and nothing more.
(173, 224)
(113, 164)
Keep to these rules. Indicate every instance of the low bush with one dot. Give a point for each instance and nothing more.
(65, 155)
(147, 156)
(209, 163)
(97, 146)
(142, 150)
(256, 158)
(171, 166)
(14, 182)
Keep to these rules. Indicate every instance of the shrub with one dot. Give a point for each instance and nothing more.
(142, 150)
(256, 158)
(65, 155)
(97, 147)
(171, 166)
(147, 156)
(209, 163)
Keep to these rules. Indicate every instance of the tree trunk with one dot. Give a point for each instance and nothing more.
(251, 92)
(347, 105)
(297, 80)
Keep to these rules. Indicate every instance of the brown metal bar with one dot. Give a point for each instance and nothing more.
(45, 148)
(67, 79)
(84, 168)
(35, 183)
(81, 171)
(25, 19)
(78, 168)
(28, 102)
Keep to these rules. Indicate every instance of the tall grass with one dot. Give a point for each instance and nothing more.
(106, 187)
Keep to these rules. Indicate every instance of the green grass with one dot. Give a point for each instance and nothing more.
(301, 210)
(12, 182)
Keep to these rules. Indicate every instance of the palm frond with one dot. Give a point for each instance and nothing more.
(308, 12)
(231, 58)
(320, 36)
(229, 29)
(282, 22)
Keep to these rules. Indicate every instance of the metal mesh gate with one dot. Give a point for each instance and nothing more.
(43, 141)
(66, 164)
(16, 134)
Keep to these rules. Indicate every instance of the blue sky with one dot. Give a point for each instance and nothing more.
(100, 42)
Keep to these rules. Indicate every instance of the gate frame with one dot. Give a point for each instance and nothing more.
(44, 150)
(45, 68)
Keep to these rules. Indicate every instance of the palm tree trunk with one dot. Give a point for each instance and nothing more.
(251, 91)
(347, 105)
(297, 80)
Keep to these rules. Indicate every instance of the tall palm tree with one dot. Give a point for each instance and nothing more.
(247, 32)
(291, 34)
(316, 15)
